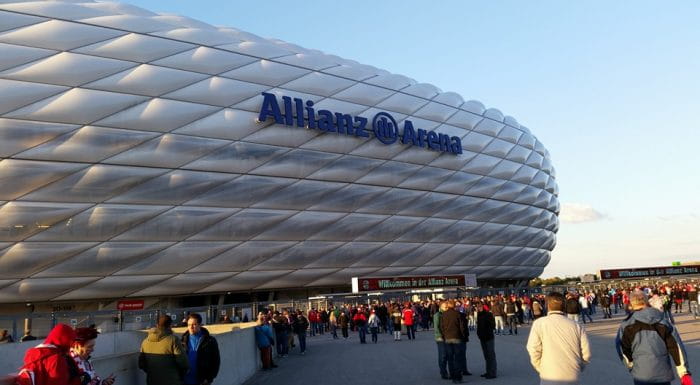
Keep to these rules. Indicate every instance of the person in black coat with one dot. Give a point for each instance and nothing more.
(485, 323)
(300, 327)
(202, 352)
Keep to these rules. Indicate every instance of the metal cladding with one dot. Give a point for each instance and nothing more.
(133, 163)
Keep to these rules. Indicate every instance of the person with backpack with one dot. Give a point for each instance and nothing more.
(50, 363)
(649, 345)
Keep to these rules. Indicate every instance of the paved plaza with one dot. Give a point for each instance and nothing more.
(330, 361)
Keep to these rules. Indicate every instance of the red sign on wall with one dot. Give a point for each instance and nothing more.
(131, 304)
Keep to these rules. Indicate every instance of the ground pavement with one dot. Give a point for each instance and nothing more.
(341, 361)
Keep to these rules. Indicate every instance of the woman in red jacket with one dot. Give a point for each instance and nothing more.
(50, 363)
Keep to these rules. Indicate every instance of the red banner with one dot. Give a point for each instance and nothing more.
(645, 272)
(419, 282)
(131, 304)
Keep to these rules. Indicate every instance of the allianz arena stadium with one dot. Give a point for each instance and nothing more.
(148, 155)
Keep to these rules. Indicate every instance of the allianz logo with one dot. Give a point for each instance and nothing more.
(301, 113)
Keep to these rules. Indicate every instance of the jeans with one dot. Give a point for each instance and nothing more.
(312, 329)
(411, 332)
(499, 324)
(334, 331)
(512, 324)
(462, 357)
(442, 358)
(362, 329)
(488, 347)
(374, 331)
(453, 364)
(282, 343)
(586, 313)
(302, 341)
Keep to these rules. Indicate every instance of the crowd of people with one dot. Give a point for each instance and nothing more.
(647, 341)
(497, 315)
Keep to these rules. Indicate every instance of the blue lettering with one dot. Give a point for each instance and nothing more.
(270, 107)
(409, 134)
(344, 123)
(298, 111)
(311, 114)
(444, 143)
(360, 130)
(299, 107)
(421, 137)
(325, 121)
(456, 145)
(288, 114)
(433, 141)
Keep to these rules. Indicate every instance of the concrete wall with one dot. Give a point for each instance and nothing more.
(118, 353)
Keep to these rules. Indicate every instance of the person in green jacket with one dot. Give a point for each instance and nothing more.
(442, 357)
(162, 356)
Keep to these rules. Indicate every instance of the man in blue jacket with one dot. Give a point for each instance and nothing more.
(202, 352)
(647, 343)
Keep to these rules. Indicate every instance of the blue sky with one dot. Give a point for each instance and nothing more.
(611, 88)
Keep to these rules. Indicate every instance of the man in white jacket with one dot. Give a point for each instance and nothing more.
(558, 346)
